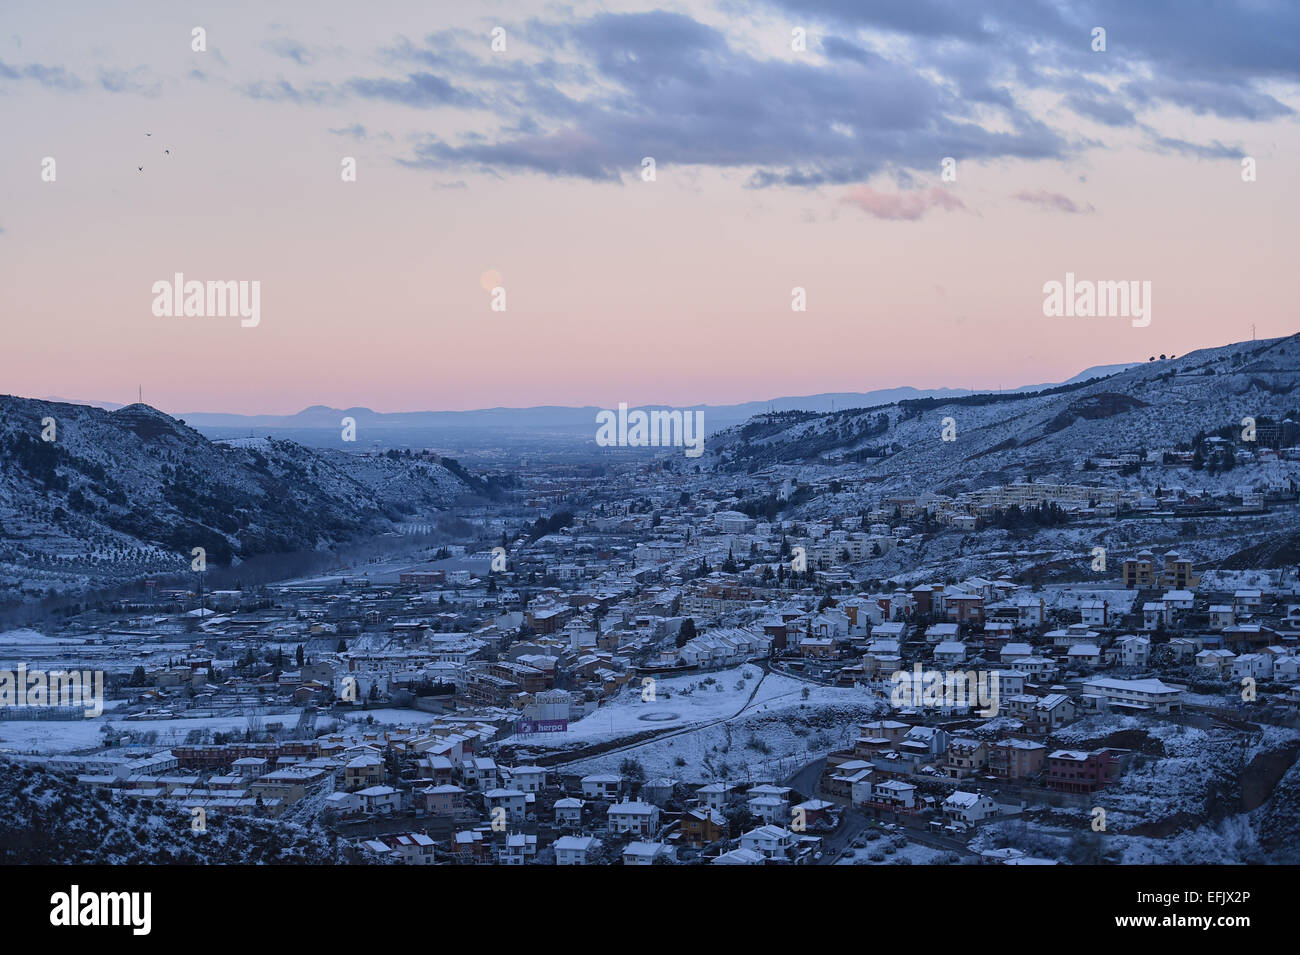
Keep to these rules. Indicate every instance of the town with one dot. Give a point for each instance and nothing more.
(641, 664)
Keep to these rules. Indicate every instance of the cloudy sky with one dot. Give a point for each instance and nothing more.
(775, 168)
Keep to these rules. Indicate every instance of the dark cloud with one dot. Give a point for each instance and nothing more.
(674, 89)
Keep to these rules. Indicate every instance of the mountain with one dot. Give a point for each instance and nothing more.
(123, 493)
(1044, 435)
(320, 425)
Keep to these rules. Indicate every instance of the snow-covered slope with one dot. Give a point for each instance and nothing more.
(135, 488)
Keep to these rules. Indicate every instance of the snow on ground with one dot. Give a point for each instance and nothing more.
(1238, 579)
(778, 734)
(25, 638)
(913, 853)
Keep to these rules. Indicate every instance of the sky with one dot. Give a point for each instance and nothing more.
(523, 168)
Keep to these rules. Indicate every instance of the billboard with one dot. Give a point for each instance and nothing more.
(526, 727)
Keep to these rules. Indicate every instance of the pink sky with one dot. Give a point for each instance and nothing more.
(675, 291)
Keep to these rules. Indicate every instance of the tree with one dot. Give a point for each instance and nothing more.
(687, 632)
(298, 656)
(137, 677)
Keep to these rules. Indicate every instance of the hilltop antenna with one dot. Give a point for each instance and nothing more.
(1252, 331)
(140, 388)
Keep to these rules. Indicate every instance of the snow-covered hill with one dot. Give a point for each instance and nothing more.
(135, 488)
(1044, 436)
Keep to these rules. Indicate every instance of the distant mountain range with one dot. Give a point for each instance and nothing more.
(321, 424)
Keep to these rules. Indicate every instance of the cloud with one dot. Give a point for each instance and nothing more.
(50, 77)
(418, 89)
(291, 49)
(1051, 200)
(1214, 150)
(669, 87)
(906, 205)
(355, 131)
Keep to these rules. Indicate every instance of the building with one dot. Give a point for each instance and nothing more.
(1073, 771)
(967, 809)
(574, 850)
(1150, 695)
(637, 817)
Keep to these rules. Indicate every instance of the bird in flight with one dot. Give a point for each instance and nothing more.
(141, 168)
(148, 134)
(167, 151)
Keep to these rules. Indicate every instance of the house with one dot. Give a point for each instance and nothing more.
(1086, 654)
(647, 853)
(1136, 695)
(965, 757)
(637, 817)
(518, 849)
(950, 653)
(344, 803)
(1052, 712)
(1016, 758)
(411, 848)
(894, 794)
(1179, 600)
(379, 800)
(527, 779)
(602, 786)
(771, 842)
(715, 795)
(481, 770)
(514, 802)
(1038, 667)
(1221, 616)
(568, 813)
(771, 804)
(1246, 601)
(813, 811)
(1286, 669)
(1029, 612)
(964, 606)
(927, 741)
(1258, 666)
(574, 850)
(1094, 613)
(1154, 615)
(445, 800)
(1133, 651)
(941, 632)
(1078, 772)
(469, 846)
(740, 857)
(1218, 662)
(700, 827)
(967, 809)
(1016, 651)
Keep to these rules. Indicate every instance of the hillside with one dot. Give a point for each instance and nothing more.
(132, 491)
(1045, 436)
(50, 820)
